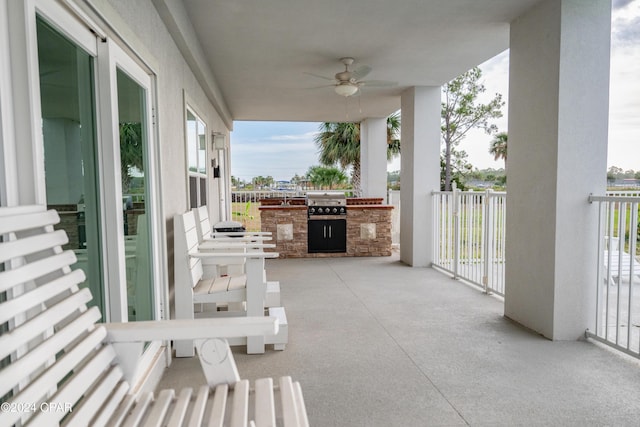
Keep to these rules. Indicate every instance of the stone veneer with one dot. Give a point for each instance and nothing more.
(368, 230)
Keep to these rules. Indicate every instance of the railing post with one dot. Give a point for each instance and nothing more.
(488, 239)
(455, 194)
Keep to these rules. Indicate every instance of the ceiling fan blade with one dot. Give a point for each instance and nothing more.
(360, 72)
(319, 76)
(377, 83)
(319, 87)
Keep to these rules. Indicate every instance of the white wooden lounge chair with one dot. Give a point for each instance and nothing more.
(233, 242)
(191, 287)
(59, 367)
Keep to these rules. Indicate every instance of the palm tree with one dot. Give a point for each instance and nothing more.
(499, 147)
(339, 143)
(393, 135)
(326, 177)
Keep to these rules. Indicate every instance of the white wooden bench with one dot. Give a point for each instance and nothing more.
(233, 242)
(60, 367)
(249, 288)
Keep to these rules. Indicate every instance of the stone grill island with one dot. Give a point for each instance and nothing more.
(368, 227)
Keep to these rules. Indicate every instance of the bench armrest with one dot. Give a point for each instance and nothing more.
(250, 255)
(212, 244)
(239, 239)
(191, 329)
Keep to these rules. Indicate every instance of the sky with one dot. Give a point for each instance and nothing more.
(283, 149)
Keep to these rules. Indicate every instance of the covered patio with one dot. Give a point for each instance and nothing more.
(377, 343)
(373, 341)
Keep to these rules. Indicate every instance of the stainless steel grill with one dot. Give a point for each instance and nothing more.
(327, 222)
(326, 204)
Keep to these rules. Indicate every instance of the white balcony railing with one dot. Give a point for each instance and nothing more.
(617, 317)
(469, 230)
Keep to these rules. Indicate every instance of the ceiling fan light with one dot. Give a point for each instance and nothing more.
(346, 89)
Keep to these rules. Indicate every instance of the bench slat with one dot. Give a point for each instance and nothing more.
(220, 395)
(80, 384)
(197, 411)
(303, 420)
(180, 408)
(39, 295)
(109, 387)
(122, 411)
(265, 410)
(192, 239)
(220, 284)
(33, 270)
(240, 404)
(159, 408)
(135, 417)
(21, 222)
(113, 402)
(289, 409)
(11, 341)
(39, 387)
(238, 295)
(40, 355)
(237, 282)
(33, 244)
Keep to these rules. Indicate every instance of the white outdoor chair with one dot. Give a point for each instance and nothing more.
(192, 288)
(233, 242)
(60, 367)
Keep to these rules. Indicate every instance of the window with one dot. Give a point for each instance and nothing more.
(197, 159)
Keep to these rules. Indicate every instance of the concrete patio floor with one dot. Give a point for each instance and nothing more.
(376, 343)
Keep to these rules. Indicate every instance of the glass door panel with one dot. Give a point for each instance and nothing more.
(135, 197)
(69, 135)
(197, 160)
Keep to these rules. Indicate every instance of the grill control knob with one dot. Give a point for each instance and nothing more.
(319, 210)
(334, 210)
(341, 210)
(312, 210)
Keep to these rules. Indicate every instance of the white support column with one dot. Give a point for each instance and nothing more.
(373, 157)
(419, 173)
(558, 114)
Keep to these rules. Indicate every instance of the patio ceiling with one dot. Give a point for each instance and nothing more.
(259, 51)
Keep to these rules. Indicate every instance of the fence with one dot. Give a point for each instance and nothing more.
(617, 317)
(469, 230)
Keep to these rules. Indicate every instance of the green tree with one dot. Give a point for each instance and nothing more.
(614, 173)
(131, 155)
(498, 147)
(393, 135)
(326, 177)
(339, 143)
(461, 112)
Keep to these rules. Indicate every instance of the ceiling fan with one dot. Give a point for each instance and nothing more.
(347, 83)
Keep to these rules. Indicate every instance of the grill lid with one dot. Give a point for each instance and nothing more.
(326, 199)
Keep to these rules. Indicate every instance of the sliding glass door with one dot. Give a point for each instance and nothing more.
(134, 139)
(69, 136)
(100, 178)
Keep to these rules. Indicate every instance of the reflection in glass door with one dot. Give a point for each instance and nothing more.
(197, 157)
(68, 128)
(135, 200)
